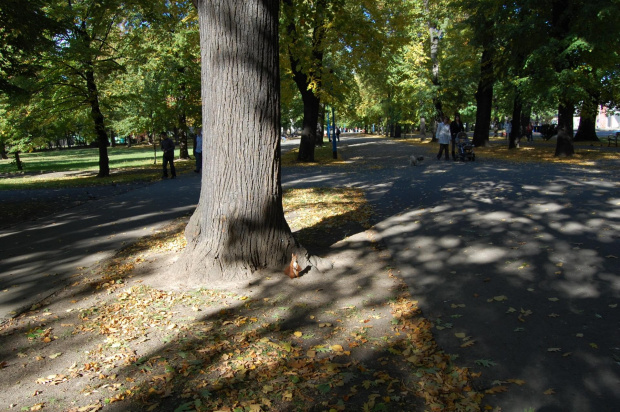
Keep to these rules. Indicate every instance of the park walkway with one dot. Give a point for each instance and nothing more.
(515, 264)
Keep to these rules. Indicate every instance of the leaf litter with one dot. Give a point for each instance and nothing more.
(109, 338)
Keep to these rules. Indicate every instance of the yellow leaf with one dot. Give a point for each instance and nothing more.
(500, 298)
(519, 382)
(549, 391)
(594, 345)
(337, 348)
(460, 335)
(298, 334)
(311, 354)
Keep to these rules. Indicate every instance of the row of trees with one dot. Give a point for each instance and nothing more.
(133, 65)
(93, 68)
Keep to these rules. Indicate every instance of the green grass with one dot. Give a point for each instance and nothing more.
(83, 159)
(79, 168)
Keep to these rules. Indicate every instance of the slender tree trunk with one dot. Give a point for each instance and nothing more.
(515, 134)
(434, 34)
(238, 227)
(18, 162)
(3, 153)
(484, 99)
(320, 139)
(183, 150)
(154, 143)
(97, 116)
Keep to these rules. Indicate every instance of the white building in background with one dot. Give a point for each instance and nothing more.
(607, 119)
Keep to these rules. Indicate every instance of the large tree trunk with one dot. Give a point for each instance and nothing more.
(586, 132)
(564, 144)
(484, 100)
(309, 124)
(97, 116)
(307, 76)
(238, 226)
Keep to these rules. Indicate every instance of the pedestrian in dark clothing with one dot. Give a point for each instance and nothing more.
(337, 134)
(456, 127)
(167, 146)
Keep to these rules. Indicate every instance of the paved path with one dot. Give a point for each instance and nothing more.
(39, 257)
(516, 264)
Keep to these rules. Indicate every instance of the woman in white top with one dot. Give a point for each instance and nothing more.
(443, 135)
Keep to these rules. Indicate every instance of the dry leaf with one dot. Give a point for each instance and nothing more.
(468, 344)
(549, 391)
(496, 389)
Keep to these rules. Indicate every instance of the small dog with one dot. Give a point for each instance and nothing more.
(293, 269)
(415, 160)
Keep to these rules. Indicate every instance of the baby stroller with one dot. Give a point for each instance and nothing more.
(464, 148)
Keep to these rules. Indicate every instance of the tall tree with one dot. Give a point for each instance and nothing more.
(238, 226)
(306, 28)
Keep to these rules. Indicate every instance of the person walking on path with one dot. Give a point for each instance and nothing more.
(337, 134)
(456, 127)
(443, 136)
(198, 150)
(508, 127)
(167, 146)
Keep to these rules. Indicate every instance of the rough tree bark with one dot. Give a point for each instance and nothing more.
(238, 227)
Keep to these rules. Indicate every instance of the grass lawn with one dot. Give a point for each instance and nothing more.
(79, 168)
